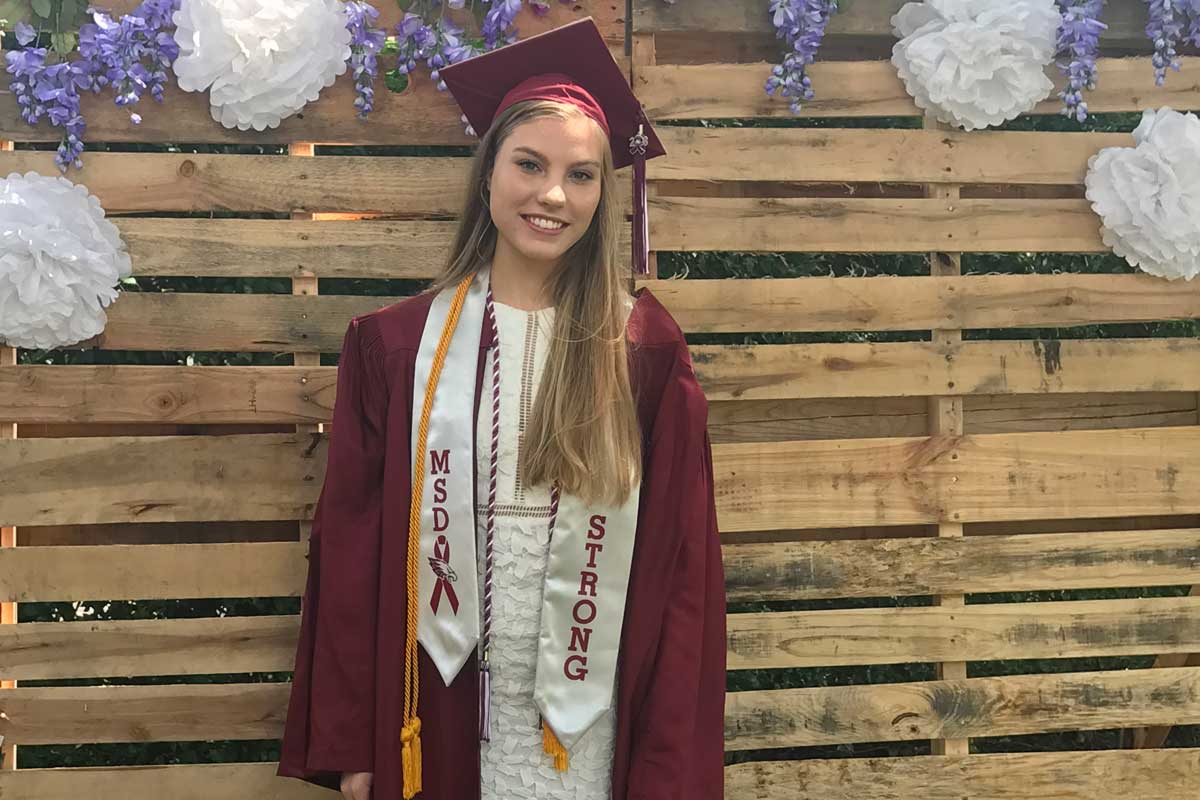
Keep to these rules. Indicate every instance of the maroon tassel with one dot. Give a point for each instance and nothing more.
(485, 703)
(641, 225)
(641, 233)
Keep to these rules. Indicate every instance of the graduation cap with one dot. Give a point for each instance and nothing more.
(570, 64)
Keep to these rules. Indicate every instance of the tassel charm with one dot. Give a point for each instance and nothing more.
(410, 757)
(553, 746)
(485, 702)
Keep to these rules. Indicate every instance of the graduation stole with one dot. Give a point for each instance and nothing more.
(587, 570)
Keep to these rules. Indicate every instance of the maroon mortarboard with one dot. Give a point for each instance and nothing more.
(570, 64)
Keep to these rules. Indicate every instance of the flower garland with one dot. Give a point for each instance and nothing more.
(130, 55)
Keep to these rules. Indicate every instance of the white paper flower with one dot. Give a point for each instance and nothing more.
(1148, 196)
(263, 59)
(975, 63)
(60, 261)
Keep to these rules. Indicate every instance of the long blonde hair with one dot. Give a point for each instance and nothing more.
(584, 427)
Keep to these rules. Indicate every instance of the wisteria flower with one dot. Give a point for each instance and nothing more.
(1148, 196)
(132, 55)
(802, 24)
(365, 43)
(60, 262)
(1078, 43)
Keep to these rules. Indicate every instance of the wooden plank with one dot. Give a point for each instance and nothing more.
(775, 718)
(872, 89)
(185, 395)
(168, 713)
(420, 115)
(922, 303)
(783, 570)
(237, 322)
(944, 417)
(864, 418)
(161, 478)
(891, 481)
(325, 248)
(998, 706)
(1026, 562)
(54, 650)
(874, 369)
(735, 374)
(176, 781)
(843, 637)
(760, 486)
(273, 323)
(956, 634)
(126, 182)
(142, 182)
(893, 155)
(1124, 18)
(906, 225)
(756, 641)
(246, 248)
(138, 572)
(1071, 775)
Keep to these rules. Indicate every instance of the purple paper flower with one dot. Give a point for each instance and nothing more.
(365, 43)
(802, 24)
(1078, 44)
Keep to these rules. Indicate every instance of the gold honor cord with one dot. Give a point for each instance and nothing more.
(410, 731)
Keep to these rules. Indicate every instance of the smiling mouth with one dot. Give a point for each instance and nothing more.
(544, 224)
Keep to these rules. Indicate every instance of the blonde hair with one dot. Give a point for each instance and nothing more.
(584, 427)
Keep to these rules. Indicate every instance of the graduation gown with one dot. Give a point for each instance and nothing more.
(345, 709)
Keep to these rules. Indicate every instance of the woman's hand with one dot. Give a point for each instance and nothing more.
(357, 785)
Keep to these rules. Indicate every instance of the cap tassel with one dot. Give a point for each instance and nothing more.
(553, 746)
(485, 701)
(410, 729)
(641, 226)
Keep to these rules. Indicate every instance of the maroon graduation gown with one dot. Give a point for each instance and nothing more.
(347, 693)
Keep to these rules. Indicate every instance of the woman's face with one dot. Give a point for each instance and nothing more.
(545, 186)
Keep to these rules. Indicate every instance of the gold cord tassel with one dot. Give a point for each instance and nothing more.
(410, 757)
(553, 746)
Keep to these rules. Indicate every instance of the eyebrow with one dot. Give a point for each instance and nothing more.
(533, 152)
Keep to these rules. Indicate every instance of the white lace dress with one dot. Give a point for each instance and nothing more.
(513, 764)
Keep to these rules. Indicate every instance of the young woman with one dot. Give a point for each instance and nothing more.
(515, 586)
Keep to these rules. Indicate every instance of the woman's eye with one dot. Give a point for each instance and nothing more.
(579, 175)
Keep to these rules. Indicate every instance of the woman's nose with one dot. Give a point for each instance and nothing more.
(554, 194)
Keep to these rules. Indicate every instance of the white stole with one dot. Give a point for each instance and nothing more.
(587, 571)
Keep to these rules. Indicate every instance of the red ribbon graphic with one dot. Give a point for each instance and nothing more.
(441, 567)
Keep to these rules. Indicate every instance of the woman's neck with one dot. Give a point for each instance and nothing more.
(519, 283)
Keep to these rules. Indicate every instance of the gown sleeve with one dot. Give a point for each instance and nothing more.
(678, 745)
(330, 722)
